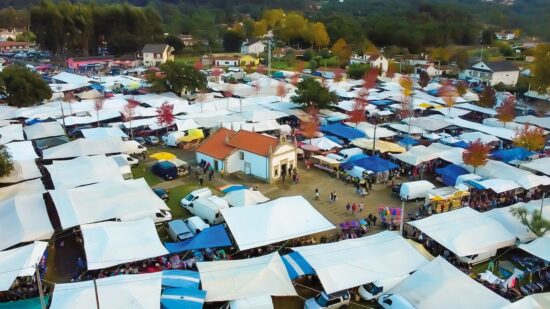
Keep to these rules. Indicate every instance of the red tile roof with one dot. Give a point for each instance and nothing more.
(253, 142)
(215, 145)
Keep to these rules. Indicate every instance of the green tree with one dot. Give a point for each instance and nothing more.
(533, 221)
(23, 87)
(541, 69)
(6, 163)
(317, 35)
(342, 50)
(175, 42)
(357, 70)
(232, 41)
(176, 77)
(311, 94)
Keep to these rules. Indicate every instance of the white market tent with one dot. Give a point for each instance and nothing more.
(247, 197)
(543, 122)
(117, 292)
(10, 133)
(123, 199)
(22, 170)
(473, 136)
(323, 143)
(533, 301)
(23, 218)
(353, 262)
(112, 243)
(405, 128)
(43, 130)
(498, 185)
(539, 247)
(239, 279)
(498, 169)
(475, 108)
(440, 285)
(31, 187)
(84, 147)
(503, 133)
(277, 220)
(70, 78)
(19, 262)
(428, 124)
(541, 165)
(83, 171)
(21, 151)
(263, 114)
(260, 302)
(187, 124)
(466, 232)
(101, 133)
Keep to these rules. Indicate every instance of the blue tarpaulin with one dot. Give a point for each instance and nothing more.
(475, 184)
(381, 102)
(181, 279)
(408, 141)
(182, 298)
(450, 173)
(375, 164)
(212, 237)
(461, 144)
(342, 131)
(335, 139)
(349, 163)
(296, 265)
(512, 154)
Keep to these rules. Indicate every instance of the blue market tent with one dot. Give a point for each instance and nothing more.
(450, 173)
(342, 131)
(31, 303)
(475, 184)
(335, 139)
(408, 141)
(180, 279)
(212, 237)
(381, 102)
(349, 163)
(461, 144)
(375, 164)
(296, 265)
(508, 155)
(182, 298)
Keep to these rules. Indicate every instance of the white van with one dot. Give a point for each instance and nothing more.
(178, 231)
(208, 209)
(196, 224)
(374, 289)
(161, 216)
(134, 148)
(394, 301)
(194, 195)
(413, 190)
(123, 166)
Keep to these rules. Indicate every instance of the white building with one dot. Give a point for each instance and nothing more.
(492, 73)
(9, 35)
(255, 47)
(157, 54)
(254, 154)
(505, 36)
(375, 60)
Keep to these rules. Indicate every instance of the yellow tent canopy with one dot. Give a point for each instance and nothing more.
(163, 156)
(192, 134)
(380, 145)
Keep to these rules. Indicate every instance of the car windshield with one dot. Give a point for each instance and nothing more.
(321, 300)
(189, 197)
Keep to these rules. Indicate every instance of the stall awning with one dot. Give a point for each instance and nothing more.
(211, 237)
(296, 265)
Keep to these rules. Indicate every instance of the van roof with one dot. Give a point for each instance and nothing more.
(178, 225)
(200, 190)
(213, 202)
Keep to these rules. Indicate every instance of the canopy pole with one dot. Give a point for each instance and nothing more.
(96, 296)
(402, 221)
(39, 282)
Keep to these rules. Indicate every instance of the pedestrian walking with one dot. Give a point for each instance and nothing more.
(331, 197)
(201, 180)
(316, 194)
(348, 208)
(374, 218)
(210, 175)
(361, 207)
(335, 197)
(354, 208)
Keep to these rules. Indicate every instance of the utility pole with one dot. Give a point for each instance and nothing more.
(269, 38)
(542, 203)
(96, 296)
(40, 291)
(402, 217)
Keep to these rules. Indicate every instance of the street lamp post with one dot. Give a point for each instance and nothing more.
(62, 111)
(402, 217)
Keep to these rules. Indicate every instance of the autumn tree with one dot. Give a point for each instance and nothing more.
(476, 154)
(441, 54)
(228, 93)
(198, 64)
(487, 97)
(530, 137)
(462, 88)
(541, 69)
(533, 220)
(293, 27)
(357, 114)
(6, 163)
(281, 90)
(423, 79)
(507, 112)
(449, 94)
(342, 50)
(260, 28)
(406, 103)
(128, 112)
(261, 69)
(273, 17)
(98, 105)
(317, 35)
(310, 127)
(338, 75)
(311, 94)
(165, 115)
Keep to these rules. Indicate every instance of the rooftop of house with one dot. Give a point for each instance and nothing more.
(154, 48)
(215, 146)
(224, 141)
(250, 42)
(501, 66)
(92, 58)
(10, 43)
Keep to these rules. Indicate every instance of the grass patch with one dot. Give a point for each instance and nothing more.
(144, 171)
(176, 194)
(186, 59)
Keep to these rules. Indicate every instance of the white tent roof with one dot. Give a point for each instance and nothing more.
(246, 197)
(184, 125)
(238, 279)
(262, 114)
(70, 78)
(533, 301)
(117, 292)
(368, 129)
(475, 108)
(465, 231)
(498, 185)
(43, 130)
(111, 243)
(122, 199)
(440, 285)
(31, 187)
(271, 222)
(502, 133)
(10, 133)
(21, 151)
(19, 262)
(350, 263)
(323, 143)
(84, 147)
(101, 133)
(539, 247)
(83, 171)
(498, 169)
(405, 128)
(427, 123)
(543, 122)
(23, 218)
(22, 170)
(541, 165)
(259, 302)
(473, 136)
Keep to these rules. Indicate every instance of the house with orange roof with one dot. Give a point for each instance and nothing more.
(258, 155)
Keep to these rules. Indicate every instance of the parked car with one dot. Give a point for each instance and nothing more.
(152, 140)
(140, 140)
(412, 190)
(131, 160)
(329, 301)
(166, 170)
(163, 194)
(178, 231)
(306, 71)
(390, 301)
(162, 216)
(196, 224)
(374, 289)
(194, 195)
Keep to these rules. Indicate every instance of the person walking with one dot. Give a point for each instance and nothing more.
(316, 194)
(354, 208)
(331, 198)
(348, 208)
(361, 207)
(335, 197)
(201, 180)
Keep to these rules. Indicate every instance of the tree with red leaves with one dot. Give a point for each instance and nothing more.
(507, 112)
(198, 64)
(476, 154)
(369, 79)
(310, 128)
(338, 75)
(530, 137)
(68, 97)
(228, 93)
(98, 105)
(487, 97)
(216, 72)
(165, 115)
(449, 94)
(128, 113)
(357, 115)
(281, 90)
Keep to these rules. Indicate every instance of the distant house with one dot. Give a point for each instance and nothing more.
(187, 40)
(9, 35)
(248, 60)
(505, 35)
(127, 61)
(254, 47)
(254, 154)
(220, 61)
(375, 60)
(98, 62)
(431, 69)
(9, 46)
(157, 54)
(492, 73)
